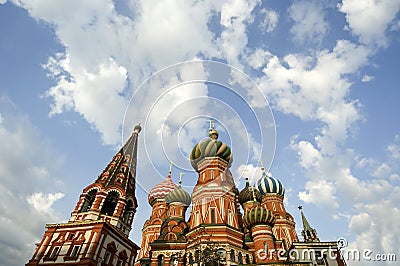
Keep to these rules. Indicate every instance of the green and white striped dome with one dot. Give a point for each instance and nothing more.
(258, 215)
(178, 195)
(210, 148)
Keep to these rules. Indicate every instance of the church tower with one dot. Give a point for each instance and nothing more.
(215, 214)
(98, 229)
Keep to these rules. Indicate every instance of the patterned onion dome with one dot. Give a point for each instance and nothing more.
(161, 190)
(210, 147)
(258, 215)
(247, 194)
(178, 195)
(268, 184)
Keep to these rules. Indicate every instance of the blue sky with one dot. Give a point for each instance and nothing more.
(328, 70)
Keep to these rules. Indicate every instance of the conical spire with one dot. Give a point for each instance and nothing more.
(112, 195)
(309, 234)
(121, 171)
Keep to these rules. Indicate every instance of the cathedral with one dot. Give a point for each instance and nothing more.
(225, 226)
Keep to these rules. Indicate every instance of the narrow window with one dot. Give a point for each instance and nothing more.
(212, 175)
(230, 218)
(247, 259)
(74, 252)
(232, 255)
(54, 253)
(240, 258)
(119, 262)
(107, 257)
(212, 216)
(197, 218)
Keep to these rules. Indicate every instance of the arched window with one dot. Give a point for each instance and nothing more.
(110, 203)
(247, 259)
(240, 258)
(190, 258)
(128, 212)
(160, 260)
(232, 255)
(88, 201)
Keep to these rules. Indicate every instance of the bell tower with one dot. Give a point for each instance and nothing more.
(98, 229)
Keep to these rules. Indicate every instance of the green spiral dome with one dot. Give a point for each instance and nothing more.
(258, 215)
(178, 195)
(210, 148)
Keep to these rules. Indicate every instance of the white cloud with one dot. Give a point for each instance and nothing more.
(270, 20)
(27, 165)
(309, 22)
(236, 15)
(321, 193)
(394, 151)
(382, 170)
(3, 1)
(252, 172)
(258, 58)
(106, 51)
(367, 78)
(315, 87)
(43, 202)
(360, 223)
(97, 96)
(370, 19)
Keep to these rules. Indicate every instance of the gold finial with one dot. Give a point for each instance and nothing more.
(254, 195)
(180, 178)
(170, 167)
(212, 133)
(211, 124)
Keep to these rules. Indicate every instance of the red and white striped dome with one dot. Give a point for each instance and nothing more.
(161, 190)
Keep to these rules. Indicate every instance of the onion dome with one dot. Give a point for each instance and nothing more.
(249, 194)
(270, 185)
(178, 195)
(160, 191)
(258, 215)
(210, 147)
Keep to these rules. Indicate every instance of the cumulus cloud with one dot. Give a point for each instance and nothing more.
(270, 20)
(27, 167)
(309, 22)
(369, 20)
(43, 202)
(236, 15)
(315, 87)
(367, 78)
